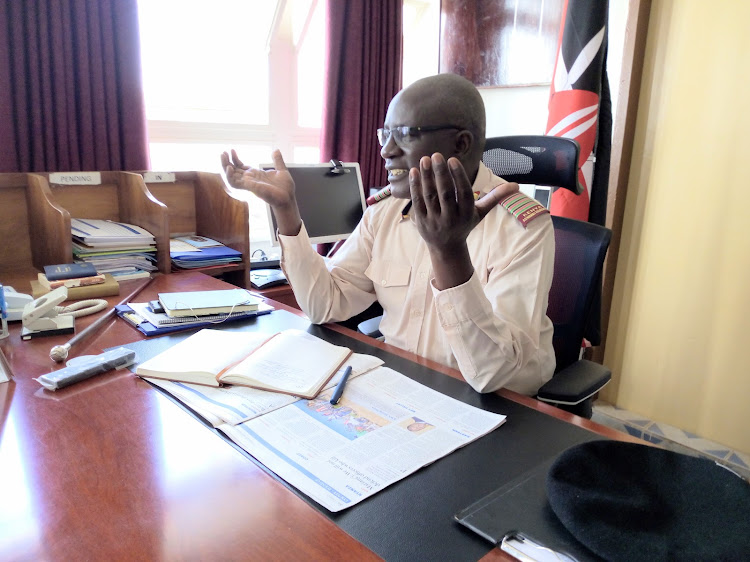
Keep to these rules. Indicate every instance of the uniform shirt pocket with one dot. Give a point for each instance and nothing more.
(391, 282)
(385, 274)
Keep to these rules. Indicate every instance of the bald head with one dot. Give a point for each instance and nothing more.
(449, 98)
(446, 114)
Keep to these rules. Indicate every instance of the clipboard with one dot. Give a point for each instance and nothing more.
(520, 507)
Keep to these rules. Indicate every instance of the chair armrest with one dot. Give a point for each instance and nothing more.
(575, 383)
(370, 327)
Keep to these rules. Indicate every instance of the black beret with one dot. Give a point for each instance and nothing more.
(626, 501)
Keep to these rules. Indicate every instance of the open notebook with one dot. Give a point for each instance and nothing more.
(291, 362)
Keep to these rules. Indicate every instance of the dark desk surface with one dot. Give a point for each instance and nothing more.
(111, 468)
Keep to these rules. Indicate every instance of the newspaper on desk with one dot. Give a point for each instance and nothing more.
(385, 427)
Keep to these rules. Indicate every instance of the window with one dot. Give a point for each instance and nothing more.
(248, 75)
(421, 21)
(235, 74)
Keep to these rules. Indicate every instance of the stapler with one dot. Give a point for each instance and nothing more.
(15, 303)
(41, 319)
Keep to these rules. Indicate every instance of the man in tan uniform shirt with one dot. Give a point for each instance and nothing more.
(462, 282)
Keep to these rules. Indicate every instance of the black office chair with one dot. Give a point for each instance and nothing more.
(580, 248)
(579, 258)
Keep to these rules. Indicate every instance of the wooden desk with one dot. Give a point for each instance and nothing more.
(110, 468)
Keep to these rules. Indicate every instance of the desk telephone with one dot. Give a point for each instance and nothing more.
(266, 278)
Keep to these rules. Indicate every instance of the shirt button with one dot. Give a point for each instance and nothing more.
(423, 275)
(416, 313)
(383, 282)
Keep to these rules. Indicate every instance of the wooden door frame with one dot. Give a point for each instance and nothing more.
(623, 132)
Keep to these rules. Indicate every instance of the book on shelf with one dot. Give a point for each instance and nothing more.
(69, 271)
(114, 247)
(81, 251)
(69, 283)
(290, 362)
(201, 303)
(109, 288)
(197, 241)
(187, 255)
(94, 232)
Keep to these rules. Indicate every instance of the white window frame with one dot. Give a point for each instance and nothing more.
(282, 131)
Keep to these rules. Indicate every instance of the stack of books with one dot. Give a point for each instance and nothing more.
(81, 280)
(123, 250)
(188, 310)
(190, 252)
(197, 304)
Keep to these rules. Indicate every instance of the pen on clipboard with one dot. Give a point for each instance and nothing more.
(340, 387)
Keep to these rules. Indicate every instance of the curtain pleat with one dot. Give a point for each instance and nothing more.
(71, 95)
(363, 71)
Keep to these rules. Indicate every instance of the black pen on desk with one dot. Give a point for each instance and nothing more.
(340, 387)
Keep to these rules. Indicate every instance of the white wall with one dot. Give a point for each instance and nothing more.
(515, 111)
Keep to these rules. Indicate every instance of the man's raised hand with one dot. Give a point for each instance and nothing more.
(275, 187)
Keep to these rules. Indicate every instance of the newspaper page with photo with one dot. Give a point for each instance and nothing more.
(385, 427)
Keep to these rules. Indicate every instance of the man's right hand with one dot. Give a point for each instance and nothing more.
(275, 187)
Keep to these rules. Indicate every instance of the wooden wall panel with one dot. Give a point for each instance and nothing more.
(500, 42)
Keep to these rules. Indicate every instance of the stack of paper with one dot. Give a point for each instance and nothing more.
(190, 252)
(126, 251)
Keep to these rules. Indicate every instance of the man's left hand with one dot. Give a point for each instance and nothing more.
(445, 213)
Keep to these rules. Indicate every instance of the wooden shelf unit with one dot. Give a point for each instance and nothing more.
(35, 219)
(201, 203)
(122, 197)
(30, 224)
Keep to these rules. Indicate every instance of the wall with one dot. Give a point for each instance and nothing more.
(679, 331)
(515, 111)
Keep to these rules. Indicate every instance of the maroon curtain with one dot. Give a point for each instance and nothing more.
(70, 86)
(363, 70)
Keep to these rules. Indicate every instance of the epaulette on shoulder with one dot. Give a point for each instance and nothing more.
(379, 196)
(523, 207)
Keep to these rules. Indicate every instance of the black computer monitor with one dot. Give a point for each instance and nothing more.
(331, 200)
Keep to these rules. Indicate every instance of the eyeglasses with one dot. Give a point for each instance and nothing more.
(405, 134)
